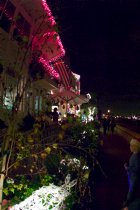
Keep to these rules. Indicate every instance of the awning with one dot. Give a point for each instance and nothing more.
(70, 97)
(80, 99)
(46, 84)
(64, 72)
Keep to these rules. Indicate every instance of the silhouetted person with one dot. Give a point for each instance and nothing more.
(108, 124)
(112, 125)
(55, 115)
(104, 125)
(28, 122)
(133, 171)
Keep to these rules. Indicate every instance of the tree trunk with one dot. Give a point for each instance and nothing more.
(3, 172)
(1, 189)
(2, 177)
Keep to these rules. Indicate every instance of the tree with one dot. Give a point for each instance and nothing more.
(16, 89)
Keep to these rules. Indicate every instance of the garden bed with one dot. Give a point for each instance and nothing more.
(38, 164)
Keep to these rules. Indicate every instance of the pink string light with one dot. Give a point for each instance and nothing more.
(58, 40)
(6, 13)
(48, 11)
(49, 68)
(50, 35)
(36, 41)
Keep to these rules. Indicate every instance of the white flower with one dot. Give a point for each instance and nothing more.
(9, 180)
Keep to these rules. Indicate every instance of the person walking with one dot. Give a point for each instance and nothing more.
(104, 126)
(133, 172)
(108, 124)
(112, 125)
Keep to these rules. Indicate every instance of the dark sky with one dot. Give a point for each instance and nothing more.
(102, 40)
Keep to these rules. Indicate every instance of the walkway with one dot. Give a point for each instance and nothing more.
(112, 191)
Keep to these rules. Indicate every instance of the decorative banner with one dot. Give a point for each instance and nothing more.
(64, 72)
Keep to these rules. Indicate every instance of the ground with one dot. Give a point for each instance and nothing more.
(111, 190)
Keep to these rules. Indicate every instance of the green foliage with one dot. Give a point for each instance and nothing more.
(70, 200)
(84, 136)
(46, 180)
(59, 161)
(52, 163)
(22, 187)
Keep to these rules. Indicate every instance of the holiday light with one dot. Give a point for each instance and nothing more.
(88, 95)
(47, 197)
(48, 68)
(48, 11)
(6, 13)
(40, 43)
(36, 40)
(52, 21)
(51, 92)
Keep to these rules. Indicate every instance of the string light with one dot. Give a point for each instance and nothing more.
(49, 37)
(52, 21)
(47, 197)
(48, 68)
(37, 42)
(48, 11)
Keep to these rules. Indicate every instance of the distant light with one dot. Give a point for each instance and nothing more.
(88, 96)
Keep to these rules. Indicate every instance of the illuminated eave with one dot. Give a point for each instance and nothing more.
(52, 21)
(48, 68)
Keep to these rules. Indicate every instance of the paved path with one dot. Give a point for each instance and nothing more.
(112, 191)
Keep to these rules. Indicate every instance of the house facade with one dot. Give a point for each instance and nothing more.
(31, 56)
(29, 43)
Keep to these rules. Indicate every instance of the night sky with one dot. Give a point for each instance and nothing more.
(102, 42)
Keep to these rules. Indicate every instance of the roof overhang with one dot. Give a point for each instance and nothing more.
(46, 84)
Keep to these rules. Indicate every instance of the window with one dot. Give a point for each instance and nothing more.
(8, 101)
(38, 104)
(7, 11)
(22, 29)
